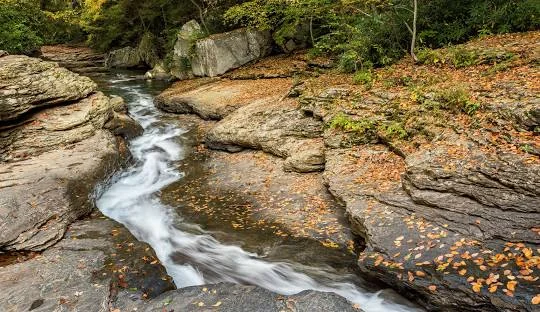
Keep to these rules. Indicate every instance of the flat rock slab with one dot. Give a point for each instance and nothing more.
(96, 261)
(250, 193)
(212, 99)
(29, 83)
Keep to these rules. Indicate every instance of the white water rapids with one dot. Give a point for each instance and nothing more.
(132, 198)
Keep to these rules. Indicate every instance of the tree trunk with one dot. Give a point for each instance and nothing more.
(201, 15)
(311, 31)
(413, 41)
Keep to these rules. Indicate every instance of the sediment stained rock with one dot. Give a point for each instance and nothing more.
(53, 158)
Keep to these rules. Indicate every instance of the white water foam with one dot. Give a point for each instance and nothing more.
(133, 200)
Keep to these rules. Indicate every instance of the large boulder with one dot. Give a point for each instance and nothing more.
(52, 159)
(217, 54)
(127, 57)
(180, 67)
(214, 98)
(27, 84)
(276, 127)
(144, 55)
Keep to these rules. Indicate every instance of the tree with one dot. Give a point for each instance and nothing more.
(415, 19)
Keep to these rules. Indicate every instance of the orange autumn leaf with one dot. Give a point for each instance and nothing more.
(476, 287)
(536, 299)
(462, 272)
(420, 273)
(527, 252)
(511, 285)
(493, 288)
(433, 288)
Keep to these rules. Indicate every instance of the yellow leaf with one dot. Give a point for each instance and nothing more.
(217, 304)
(420, 273)
(493, 288)
(462, 272)
(476, 287)
(536, 299)
(511, 285)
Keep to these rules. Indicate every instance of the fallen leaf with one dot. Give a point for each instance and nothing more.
(511, 285)
(432, 288)
(536, 299)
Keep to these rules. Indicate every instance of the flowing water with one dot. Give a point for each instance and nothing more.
(132, 197)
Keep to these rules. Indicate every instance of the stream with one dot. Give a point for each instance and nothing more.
(191, 254)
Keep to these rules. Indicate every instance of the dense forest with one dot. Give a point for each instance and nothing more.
(359, 33)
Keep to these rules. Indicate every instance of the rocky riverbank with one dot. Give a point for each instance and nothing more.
(436, 164)
(59, 137)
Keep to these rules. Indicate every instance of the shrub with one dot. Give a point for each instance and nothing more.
(344, 122)
(363, 77)
(456, 99)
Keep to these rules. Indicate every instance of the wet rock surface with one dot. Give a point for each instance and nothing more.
(237, 298)
(96, 261)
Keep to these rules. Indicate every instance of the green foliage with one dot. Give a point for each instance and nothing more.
(369, 33)
(393, 130)
(455, 99)
(363, 78)
(460, 57)
(344, 122)
(20, 30)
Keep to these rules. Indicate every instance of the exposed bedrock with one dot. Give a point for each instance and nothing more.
(456, 230)
(57, 140)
